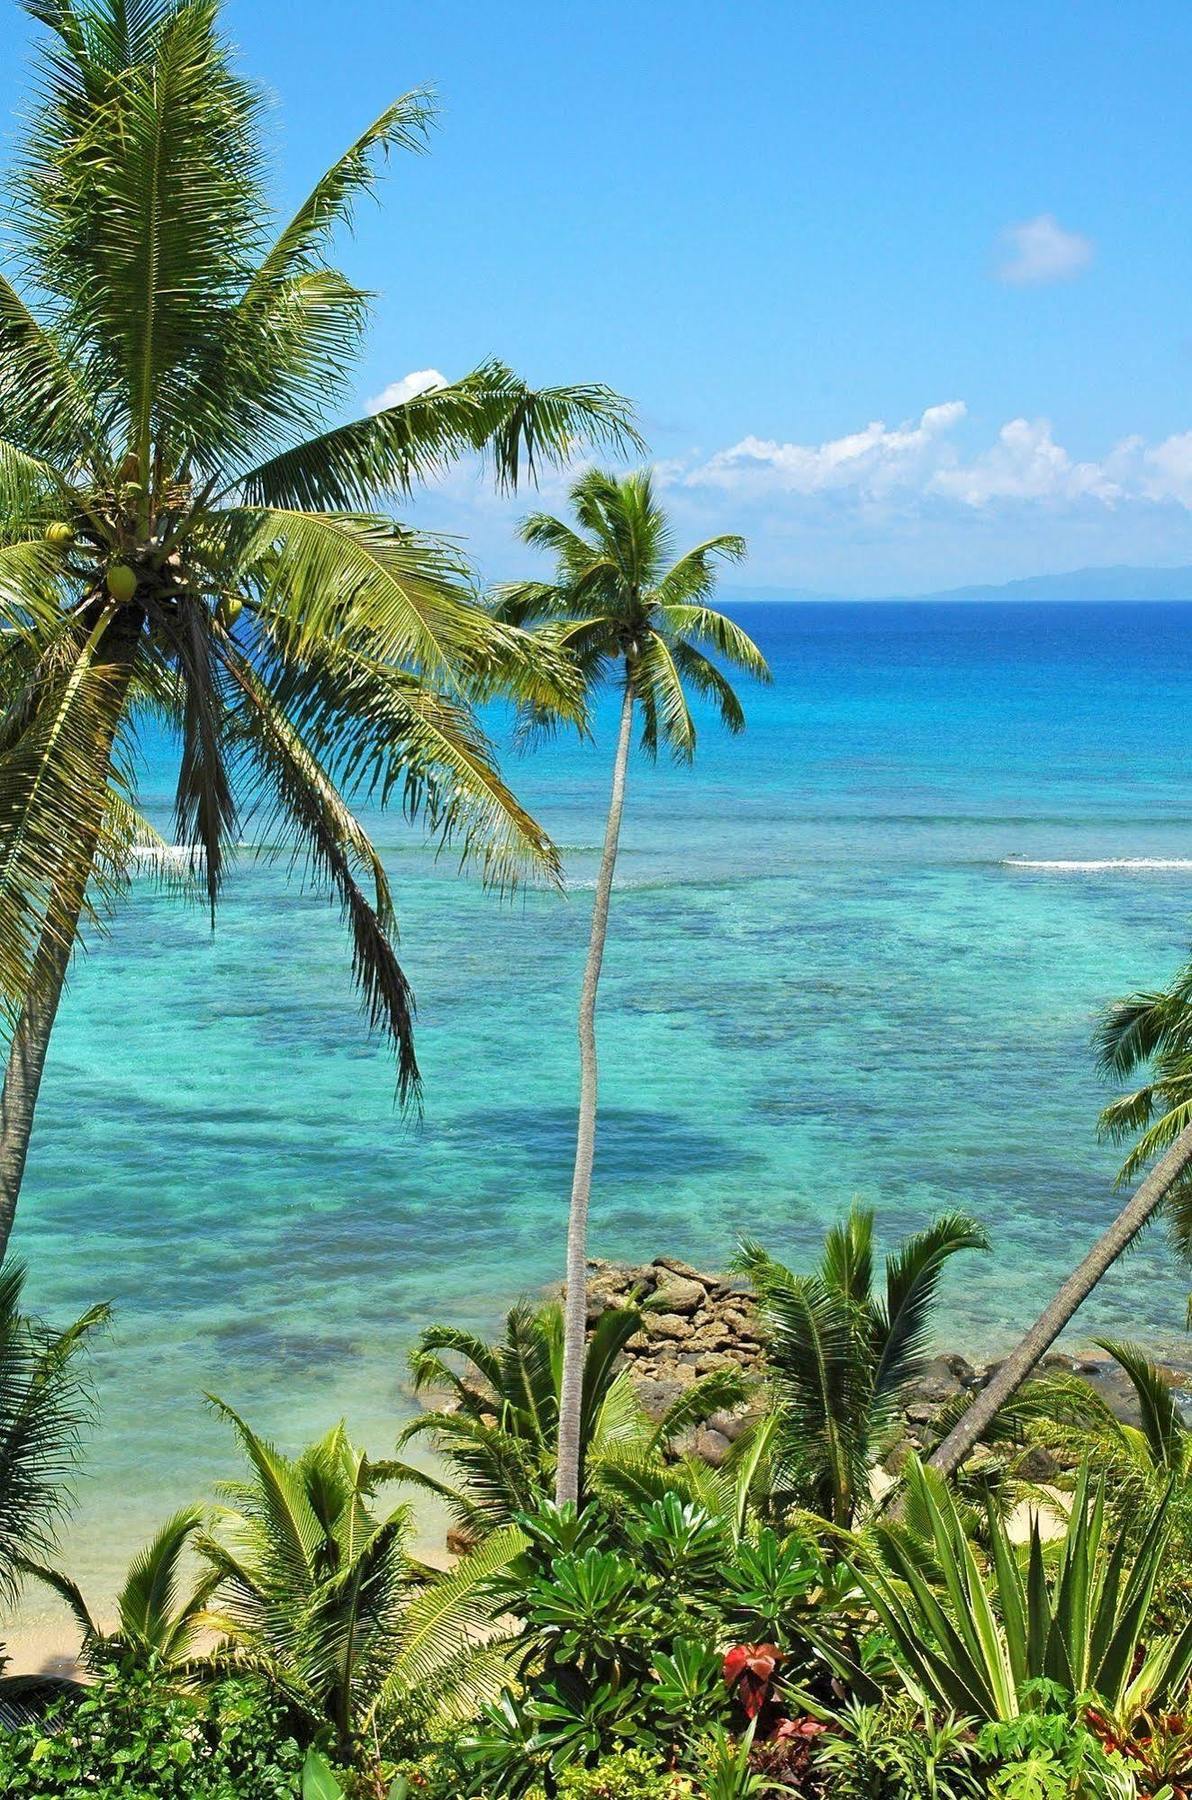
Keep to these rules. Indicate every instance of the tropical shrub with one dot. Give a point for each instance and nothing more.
(645, 1626)
(896, 1751)
(500, 1434)
(135, 1735)
(976, 1641)
(628, 1773)
(841, 1356)
(367, 1646)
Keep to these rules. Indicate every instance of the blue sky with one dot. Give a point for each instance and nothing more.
(904, 293)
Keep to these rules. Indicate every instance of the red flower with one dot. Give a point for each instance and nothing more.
(806, 1728)
(750, 1668)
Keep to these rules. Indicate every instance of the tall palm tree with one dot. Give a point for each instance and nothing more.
(630, 614)
(841, 1355)
(185, 532)
(500, 1432)
(318, 1591)
(1147, 1030)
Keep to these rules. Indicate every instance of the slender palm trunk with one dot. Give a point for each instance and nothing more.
(1140, 1207)
(576, 1305)
(26, 1061)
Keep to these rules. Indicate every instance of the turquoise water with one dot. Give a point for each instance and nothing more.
(824, 979)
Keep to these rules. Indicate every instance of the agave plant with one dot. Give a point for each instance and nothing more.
(499, 1432)
(978, 1642)
(157, 1622)
(841, 1356)
(319, 1592)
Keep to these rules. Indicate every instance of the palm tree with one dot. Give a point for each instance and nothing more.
(841, 1357)
(45, 1403)
(185, 533)
(156, 1623)
(1145, 1030)
(626, 612)
(499, 1431)
(316, 1590)
(1141, 1459)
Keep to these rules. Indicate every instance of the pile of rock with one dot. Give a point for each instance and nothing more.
(693, 1324)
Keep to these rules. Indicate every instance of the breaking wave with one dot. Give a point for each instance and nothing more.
(1096, 865)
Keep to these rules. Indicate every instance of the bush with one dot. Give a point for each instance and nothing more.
(132, 1736)
(625, 1775)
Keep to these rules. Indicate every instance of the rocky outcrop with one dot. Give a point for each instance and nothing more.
(694, 1323)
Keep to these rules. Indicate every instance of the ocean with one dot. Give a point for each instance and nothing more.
(857, 951)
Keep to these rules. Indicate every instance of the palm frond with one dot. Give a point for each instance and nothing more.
(1161, 1420)
(339, 851)
(45, 1404)
(666, 716)
(54, 784)
(451, 1616)
(489, 411)
(913, 1276)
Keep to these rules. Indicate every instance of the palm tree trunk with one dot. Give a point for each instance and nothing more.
(576, 1303)
(26, 1061)
(1140, 1207)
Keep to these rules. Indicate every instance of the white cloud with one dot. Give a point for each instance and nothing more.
(872, 461)
(920, 466)
(1025, 463)
(1041, 250)
(416, 382)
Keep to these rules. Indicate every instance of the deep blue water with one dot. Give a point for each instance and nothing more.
(858, 951)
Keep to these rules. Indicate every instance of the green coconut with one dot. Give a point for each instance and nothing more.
(229, 610)
(122, 583)
(60, 534)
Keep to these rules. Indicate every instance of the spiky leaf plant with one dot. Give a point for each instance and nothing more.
(320, 1592)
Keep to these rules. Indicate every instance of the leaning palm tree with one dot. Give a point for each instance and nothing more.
(316, 1590)
(159, 1616)
(626, 612)
(1151, 1031)
(841, 1355)
(186, 533)
(499, 1432)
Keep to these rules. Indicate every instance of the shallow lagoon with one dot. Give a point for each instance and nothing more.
(825, 978)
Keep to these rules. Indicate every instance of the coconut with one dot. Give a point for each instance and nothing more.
(122, 583)
(229, 610)
(60, 534)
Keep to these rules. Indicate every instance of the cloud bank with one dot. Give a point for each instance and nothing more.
(934, 501)
(921, 463)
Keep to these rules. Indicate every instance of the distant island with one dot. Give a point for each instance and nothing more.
(1121, 581)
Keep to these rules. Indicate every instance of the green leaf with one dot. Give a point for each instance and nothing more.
(318, 1782)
